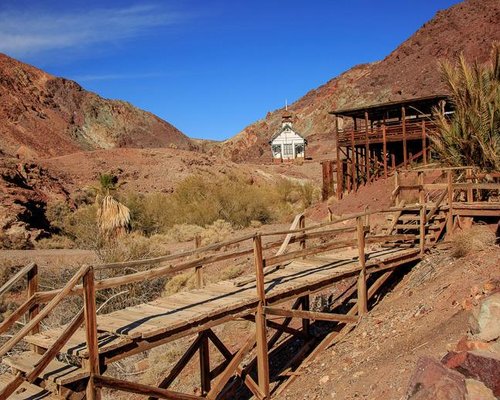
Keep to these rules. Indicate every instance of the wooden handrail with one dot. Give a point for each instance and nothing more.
(18, 313)
(44, 312)
(16, 278)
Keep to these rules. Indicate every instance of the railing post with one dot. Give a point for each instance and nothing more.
(260, 320)
(421, 193)
(362, 294)
(470, 193)
(33, 311)
(424, 143)
(384, 139)
(396, 186)
(422, 229)
(92, 393)
(449, 221)
(199, 268)
(304, 299)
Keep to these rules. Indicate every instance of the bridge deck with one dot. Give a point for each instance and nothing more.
(184, 313)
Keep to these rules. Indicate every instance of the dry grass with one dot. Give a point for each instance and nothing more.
(475, 239)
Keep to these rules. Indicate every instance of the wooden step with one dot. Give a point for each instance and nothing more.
(412, 227)
(27, 391)
(57, 371)
(407, 217)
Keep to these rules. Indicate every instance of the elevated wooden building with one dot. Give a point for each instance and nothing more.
(373, 140)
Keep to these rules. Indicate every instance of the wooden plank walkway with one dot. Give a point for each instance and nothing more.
(184, 313)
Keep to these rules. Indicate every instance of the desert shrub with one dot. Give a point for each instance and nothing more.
(55, 242)
(57, 213)
(472, 136)
(474, 239)
(216, 232)
(179, 282)
(231, 272)
(81, 227)
(133, 246)
(184, 232)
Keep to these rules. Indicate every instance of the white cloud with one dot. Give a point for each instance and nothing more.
(32, 32)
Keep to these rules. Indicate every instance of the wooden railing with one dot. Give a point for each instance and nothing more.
(311, 240)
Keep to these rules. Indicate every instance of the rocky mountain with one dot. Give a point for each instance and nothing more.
(44, 116)
(409, 71)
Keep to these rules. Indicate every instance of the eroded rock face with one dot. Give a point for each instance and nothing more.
(47, 116)
(433, 381)
(25, 189)
(478, 391)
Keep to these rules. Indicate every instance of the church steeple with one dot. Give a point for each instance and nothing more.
(286, 117)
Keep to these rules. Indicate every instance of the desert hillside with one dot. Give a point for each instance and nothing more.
(45, 116)
(409, 71)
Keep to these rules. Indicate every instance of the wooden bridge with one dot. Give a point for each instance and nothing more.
(290, 266)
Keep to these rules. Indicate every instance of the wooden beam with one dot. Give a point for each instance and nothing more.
(424, 143)
(354, 172)
(91, 333)
(16, 278)
(470, 193)
(449, 221)
(384, 149)
(421, 192)
(199, 268)
(362, 295)
(222, 379)
(422, 230)
(204, 364)
(35, 309)
(44, 312)
(260, 320)
(310, 315)
(138, 388)
(405, 150)
(367, 149)
(18, 313)
(180, 365)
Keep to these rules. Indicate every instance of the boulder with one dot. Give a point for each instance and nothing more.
(478, 391)
(485, 320)
(477, 364)
(433, 381)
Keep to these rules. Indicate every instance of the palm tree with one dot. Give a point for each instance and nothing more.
(472, 136)
(113, 218)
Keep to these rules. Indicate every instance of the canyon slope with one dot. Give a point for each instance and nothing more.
(44, 116)
(411, 70)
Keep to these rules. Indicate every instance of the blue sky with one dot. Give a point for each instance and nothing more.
(210, 67)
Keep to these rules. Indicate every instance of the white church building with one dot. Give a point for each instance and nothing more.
(287, 144)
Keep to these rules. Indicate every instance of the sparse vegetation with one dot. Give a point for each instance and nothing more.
(472, 136)
(475, 239)
(212, 209)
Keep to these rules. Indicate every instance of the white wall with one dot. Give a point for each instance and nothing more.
(288, 137)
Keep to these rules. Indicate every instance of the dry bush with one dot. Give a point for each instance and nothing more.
(231, 272)
(217, 232)
(184, 232)
(179, 282)
(55, 242)
(474, 239)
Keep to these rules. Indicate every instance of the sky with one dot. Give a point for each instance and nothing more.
(209, 67)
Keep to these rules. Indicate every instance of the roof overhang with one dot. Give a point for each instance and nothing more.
(415, 106)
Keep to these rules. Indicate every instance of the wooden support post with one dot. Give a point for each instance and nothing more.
(384, 150)
(367, 149)
(470, 193)
(449, 221)
(340, 177)
(198, 269)
(422, 230)
(403, 121)
(327, 179)
(393, 161)
(396, 186)
(204, 364)
(424, 143)
(349, 178)
(35, 308)
(91, 333)
(353, 164)
(260, 320)
(362, 295)
(421, 192)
